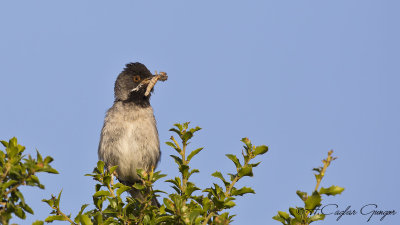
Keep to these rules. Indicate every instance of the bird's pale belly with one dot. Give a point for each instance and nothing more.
(131, 143)
(139, 149)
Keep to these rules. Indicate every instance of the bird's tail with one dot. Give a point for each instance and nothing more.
(135, 193)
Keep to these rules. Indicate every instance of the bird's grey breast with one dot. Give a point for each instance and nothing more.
(129, 139)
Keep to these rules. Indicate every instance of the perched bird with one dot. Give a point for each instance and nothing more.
(129, 138)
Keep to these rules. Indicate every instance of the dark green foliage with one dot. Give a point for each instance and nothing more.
(17, 170)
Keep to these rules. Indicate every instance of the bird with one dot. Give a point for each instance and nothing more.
(129, 137)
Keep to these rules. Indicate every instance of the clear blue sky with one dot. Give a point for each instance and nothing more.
(302, 77)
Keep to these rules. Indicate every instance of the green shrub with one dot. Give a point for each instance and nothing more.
(188, 204)
(18, 170)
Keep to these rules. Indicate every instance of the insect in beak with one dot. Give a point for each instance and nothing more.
(151, 81)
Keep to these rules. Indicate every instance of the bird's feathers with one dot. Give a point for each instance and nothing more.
(129, 139)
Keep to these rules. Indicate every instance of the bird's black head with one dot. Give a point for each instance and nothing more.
(129, 86)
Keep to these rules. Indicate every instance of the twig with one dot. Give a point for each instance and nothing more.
(65, 216)
(8, 167)
(176, 143)
(109, 187)
(326, 162)
(208, 218)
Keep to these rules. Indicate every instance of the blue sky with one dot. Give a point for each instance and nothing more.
(302, 77)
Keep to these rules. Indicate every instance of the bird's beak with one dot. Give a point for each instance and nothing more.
(150, 82)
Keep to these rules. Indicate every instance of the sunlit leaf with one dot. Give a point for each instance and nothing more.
(85, 220)
(101, 193)
(332, 190)
(246, 171)
(193, 153)
(234, 159)
(242, 191)
(55, 217)
(313, 201)
(262, 149)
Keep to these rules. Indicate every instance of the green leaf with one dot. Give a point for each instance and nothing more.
(38, 222)
(83, 207)
(229, 204)
(262, 149)
(319, 169)
(193, 130)
(48, 160)
(284, 215)
(19, 212)
(57, 201)
(194, 214)
(254, 164)
(55, 217)
(296, 221)
(138, 186)
(193, 153)
(27, 208)
(172, 145)
(246, 171)
(177, 159)
(234, 159)
(85, 220)
(303, 195)
(190, 188)
(169, 204)
(246, 141)
(162, 219)
(217, 191)
(39, 156)
(157, 175)
(98, 202)
(122, 190)
(9, 183)
(313, 201)
(50, 202)
(317, 217)
(332, 190)
(112, 169)
(113, 203)
(219, 175)
(100, 166)
(98, 218)
(184, 169)
(50, 170)
(279, 218)
(13, 142)
(177, 148)
(176, 131)
(232, 176)
(186, 125)
(141, 173)
(179, 126)
(101, 193)
(176, 181)
(5, 143)
(187, 136)
(295, 212)
(193, 171)
(242, 191)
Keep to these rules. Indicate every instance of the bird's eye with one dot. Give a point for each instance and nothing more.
(136, 78)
